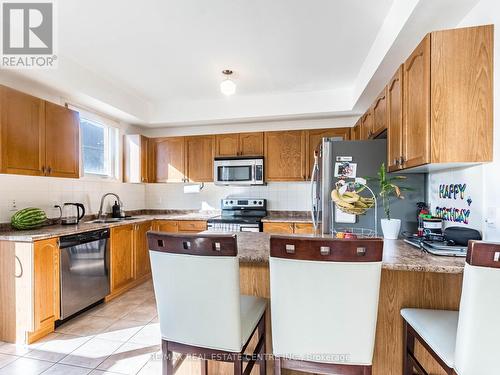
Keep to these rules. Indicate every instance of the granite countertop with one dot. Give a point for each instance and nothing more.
(254, 247)
(58, 230)
(398, 255)
(288, 217)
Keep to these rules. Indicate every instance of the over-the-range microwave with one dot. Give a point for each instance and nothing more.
(239, 170)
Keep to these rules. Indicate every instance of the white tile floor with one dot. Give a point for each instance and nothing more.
(120, 337)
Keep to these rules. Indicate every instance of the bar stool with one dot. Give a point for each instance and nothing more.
(324, 302)
(465, 342)
(201, 312)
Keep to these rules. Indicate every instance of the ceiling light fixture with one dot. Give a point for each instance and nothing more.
(227, 86)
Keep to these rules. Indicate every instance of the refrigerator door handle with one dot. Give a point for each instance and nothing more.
(314, 203)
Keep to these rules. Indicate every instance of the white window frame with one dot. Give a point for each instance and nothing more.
(112, 149)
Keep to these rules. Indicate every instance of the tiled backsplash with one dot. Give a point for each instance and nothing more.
(44, 192)
(282, 196)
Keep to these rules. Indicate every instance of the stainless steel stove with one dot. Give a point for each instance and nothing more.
(239, 215)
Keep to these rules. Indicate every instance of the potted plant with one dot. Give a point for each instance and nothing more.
(389, 188)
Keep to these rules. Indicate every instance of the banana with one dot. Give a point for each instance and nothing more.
(351, 202)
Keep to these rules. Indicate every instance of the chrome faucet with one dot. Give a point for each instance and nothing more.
(100, 213)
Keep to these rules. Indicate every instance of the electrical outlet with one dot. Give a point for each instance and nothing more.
(491, 217)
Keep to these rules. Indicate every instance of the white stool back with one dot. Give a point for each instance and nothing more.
(478, 335)
(324, 298)
(197, 288)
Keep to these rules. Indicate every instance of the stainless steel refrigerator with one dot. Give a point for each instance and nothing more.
(364, 159)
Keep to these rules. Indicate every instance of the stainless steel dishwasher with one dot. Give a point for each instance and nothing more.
(84, 270)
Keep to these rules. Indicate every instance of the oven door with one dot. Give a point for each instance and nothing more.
(234, 172)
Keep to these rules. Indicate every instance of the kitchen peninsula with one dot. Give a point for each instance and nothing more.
(410, 278)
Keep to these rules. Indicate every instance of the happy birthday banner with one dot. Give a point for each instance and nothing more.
(454, 192)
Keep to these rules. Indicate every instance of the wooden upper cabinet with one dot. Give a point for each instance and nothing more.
(251, 144)
(22, 126)
(395, 121)
(314, 138)
(122, 256)
(169, 155)
(285, 155)
(461, 88)
(38, 137)
(356, 131)
(46, 283)
(239, 144)
(136, 155)
(367, 125)
(380, 113)
(416, 125)
(200, 151)
(227, 144)
(62, 143)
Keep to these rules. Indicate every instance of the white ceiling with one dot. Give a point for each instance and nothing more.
(176, 49)
(158, 63)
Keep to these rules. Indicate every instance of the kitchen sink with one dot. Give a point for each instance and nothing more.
(111, 220)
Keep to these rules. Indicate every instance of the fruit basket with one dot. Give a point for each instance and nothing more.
(347, 197)
(356, 198)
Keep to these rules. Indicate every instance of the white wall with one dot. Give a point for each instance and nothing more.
(255, 126)
(281, 196)
(483, 181)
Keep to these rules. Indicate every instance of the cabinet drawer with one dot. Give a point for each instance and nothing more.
(304, 228)
(166, 226)
(277, 227)
(192, 226)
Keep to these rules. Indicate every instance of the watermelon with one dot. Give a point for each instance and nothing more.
(28, 218)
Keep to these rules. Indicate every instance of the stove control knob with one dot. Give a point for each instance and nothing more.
(254, 202)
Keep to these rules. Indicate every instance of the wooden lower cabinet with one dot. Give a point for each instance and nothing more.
(142, 263)
(122, 257)
(46, 309)
(29, 290)
(303, 228)
(180, 226)
(192, 226)
(288, 228)
(129, 260)
(170, 226)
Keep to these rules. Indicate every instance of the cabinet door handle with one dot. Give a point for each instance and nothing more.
(20, 274)
(43, 169)
(49, 170)
(396, 162)
(401, 161)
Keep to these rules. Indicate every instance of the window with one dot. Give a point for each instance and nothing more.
(99, 148)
